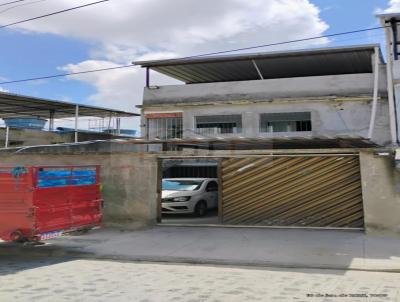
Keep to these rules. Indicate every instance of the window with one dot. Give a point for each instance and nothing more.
(212, 186)
(218, 124)
(285, 122)
(181, 185)
(164, 128)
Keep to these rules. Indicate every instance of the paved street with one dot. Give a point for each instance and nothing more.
(251, 246)
(89, 280)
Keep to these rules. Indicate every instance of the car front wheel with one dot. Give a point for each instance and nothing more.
(200, 209)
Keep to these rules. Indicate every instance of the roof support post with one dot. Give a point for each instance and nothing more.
(375, 93)
(109, 123)
(76, 123)
(118, 125)
(258, 70)
(7, 137)
(147, 77)
(51, 120)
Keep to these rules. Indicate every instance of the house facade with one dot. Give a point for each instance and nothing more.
(299, 138)
(331, 92)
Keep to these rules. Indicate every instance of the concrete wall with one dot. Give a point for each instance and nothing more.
(262, 90)
(329, 117)
(381, 194)
(27, 137)
(129, 181)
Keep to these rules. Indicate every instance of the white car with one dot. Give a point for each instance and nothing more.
(189, 195)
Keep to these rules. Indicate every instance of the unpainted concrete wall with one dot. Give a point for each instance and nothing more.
(28, 137)
(129, 182)
(381, 194)
(329, 117)
(259, 90)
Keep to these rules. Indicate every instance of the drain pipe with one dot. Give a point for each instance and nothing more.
(375, 94)
(390, 87)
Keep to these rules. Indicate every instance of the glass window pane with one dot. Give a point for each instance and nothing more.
(285, 122)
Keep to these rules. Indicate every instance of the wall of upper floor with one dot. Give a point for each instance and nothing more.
(337, 105)
(289, 88)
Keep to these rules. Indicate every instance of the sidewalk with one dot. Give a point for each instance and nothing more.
(231, 246)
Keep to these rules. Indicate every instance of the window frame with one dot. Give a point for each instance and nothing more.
(162, 124)
(236, 119)
(285, 118)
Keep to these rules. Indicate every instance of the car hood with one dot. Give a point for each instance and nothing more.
(172, 194)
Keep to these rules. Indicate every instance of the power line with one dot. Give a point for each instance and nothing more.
(12, 2)
(19, 5)
(197, 56)
(52, 14)
(280, 43)
(67, 74)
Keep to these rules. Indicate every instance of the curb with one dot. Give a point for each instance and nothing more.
(48, 251)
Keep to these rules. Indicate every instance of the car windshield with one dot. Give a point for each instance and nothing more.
(181, 185)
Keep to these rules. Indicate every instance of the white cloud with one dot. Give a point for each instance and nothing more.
(126, 30)
(3, 89)
(394, 7)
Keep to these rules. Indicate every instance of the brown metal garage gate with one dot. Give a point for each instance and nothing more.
(305, 191)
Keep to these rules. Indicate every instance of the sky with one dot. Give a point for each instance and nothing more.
(121, 31)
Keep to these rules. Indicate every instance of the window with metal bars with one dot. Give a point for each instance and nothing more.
(218, 124)
(164, 128)
(285, 122)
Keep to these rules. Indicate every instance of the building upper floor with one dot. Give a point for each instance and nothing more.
(341, 72)
(319, 92)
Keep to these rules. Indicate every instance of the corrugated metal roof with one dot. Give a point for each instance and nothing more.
(298, 63)
(237, 143)
(13, 105)
(279, 143)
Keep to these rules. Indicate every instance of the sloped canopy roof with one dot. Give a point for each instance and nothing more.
(13, 105)
(268, 65)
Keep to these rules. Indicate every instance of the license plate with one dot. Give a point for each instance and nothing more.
(50, 235)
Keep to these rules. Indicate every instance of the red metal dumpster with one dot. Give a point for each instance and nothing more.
(38, 203)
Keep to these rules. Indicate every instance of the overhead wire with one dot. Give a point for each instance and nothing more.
(279, 43)
(52, 14)
(19, 5)
(11, 2)
(66, 74)
(196, 56)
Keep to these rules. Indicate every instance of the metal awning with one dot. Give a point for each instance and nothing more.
(13, 105)
(268, 65)
(264, 143)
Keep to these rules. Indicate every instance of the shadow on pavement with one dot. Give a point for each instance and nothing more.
(13, 264)
(210, 218)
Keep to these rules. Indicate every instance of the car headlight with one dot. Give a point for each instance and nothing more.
(181, 199)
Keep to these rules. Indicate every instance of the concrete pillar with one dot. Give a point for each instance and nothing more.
(391, 24)
(381, 193)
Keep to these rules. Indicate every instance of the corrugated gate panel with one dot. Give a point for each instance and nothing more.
(312, 191)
